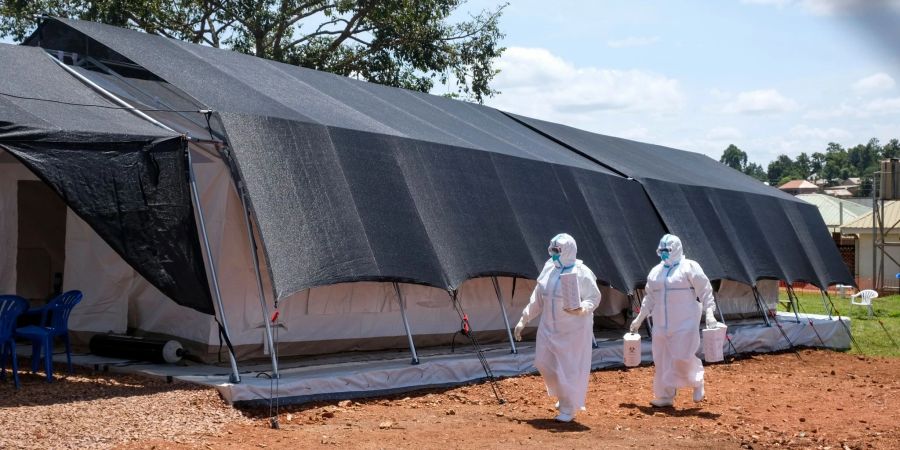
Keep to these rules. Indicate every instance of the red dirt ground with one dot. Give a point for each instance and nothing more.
(823, 400)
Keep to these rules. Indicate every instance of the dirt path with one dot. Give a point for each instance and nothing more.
(825, 400)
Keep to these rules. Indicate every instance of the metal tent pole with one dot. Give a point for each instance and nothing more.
(824, 304)
(512, 342)
(251, 239)
(761, 306)
(235, 375)
(792, 297)
(722, 319)
(412, 345)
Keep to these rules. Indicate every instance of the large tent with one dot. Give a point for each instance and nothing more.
(370, 201)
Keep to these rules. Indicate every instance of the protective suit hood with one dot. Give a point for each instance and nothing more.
(567, 250)
(671, 243)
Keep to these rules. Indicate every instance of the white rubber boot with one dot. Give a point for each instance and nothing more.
(698, 393)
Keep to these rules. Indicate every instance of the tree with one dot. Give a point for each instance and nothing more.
(837, 163)
(399, 43)
(864, 158)
(734, 157)
(756, 171)
(891, 149)
(779, 169)
(817, 163)
(802, 166)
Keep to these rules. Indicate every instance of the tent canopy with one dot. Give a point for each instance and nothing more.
(739, 228)
(125, 177)
(351, 181)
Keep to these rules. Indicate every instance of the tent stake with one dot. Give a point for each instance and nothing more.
(412, 345)
(251, 239)
(235, 375)
(512, 342)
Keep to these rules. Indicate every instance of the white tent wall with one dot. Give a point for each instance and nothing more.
(93, 268)
(736, 299)
(117, 299)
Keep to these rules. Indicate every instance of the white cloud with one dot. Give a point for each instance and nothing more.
(637, 134)
(873, 83)
(867, 110)
(719, 94)
(821, 134)
(633, 41)
(536, 83)
(724, 134)
(884, 106)
(763, 101)
(842, 110)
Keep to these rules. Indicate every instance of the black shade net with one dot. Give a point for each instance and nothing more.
(361, 206)
(126, 178)
(732, 224)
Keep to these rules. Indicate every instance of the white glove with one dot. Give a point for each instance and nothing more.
(711, 318)
(518, 331)
(636, 324)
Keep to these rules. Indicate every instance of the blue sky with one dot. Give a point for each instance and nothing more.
(770, 76)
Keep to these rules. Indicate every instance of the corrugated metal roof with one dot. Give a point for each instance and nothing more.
(864, 223)
(798, 184)
(830, 209)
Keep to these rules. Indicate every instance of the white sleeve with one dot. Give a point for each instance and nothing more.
(649, 300)
(587, 287)
(702, 286)
(535, 305)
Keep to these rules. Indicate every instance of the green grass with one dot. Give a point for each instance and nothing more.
(869, 335)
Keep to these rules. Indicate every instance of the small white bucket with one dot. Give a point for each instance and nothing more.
(714, 343)
(631, 353)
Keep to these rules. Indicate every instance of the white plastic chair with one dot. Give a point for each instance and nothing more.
(864, 298)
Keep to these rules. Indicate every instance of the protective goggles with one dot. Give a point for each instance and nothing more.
(660, 251)
(555, 250)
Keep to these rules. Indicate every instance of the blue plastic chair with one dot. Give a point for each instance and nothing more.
(11, 306)
(54, 323)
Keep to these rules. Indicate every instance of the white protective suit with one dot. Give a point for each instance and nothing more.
(563, 348)
(671, 298)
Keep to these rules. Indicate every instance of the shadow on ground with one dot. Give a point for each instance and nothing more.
(81, 386)
(671, 411)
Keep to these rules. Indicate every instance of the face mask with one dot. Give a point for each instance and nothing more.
(664, 255)
(555, 257)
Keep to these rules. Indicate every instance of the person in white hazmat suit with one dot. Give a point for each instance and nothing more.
(563, 348)
(676, 295)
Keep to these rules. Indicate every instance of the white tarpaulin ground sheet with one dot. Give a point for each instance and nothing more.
(366, 374)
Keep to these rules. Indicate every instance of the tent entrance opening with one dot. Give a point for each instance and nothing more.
(41, 241)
